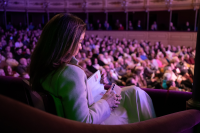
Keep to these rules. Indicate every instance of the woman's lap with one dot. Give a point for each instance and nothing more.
(135, 106)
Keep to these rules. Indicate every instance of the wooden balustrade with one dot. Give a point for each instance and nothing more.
(172, 38)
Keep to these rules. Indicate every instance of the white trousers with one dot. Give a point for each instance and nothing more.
(135, 106)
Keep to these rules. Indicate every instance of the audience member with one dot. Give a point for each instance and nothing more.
(130, 26)
(2, 61)
(9, 72)
(172, 28)
(10, 61)
(121, 27)
(84, 67)
(117, 24)
(22, 67)
(171, 85)
(139, 27)
(18, 54)
(108, 27)
(87, 24)
(2, 73)
(96, 25)
(154, 26)
(141, 80)
(91, 27)
(90, 66)
(187, 27)
(99, 27)
(31, 26)
(18, 44)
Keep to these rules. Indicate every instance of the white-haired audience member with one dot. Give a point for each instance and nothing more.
(10, 61)
(22, 68)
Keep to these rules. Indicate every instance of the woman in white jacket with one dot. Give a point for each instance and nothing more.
(54, 67)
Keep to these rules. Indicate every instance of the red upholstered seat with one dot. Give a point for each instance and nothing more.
(16, 116)
(15, 88)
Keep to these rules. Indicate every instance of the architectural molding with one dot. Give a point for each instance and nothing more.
(97, 5)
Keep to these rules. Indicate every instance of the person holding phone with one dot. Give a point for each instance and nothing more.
(55, 70)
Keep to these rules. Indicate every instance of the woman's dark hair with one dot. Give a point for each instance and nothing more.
(56, 46)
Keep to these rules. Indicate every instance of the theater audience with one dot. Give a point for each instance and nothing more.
(172, 28)
(22, 68)
(142, 54)
(3, 41)
(132, 80)
(108, 27)
(125, 61)
(117, 24)
(189, 59)
(31, 26)
(90, 66)
(18, 44)
(2, 58)
(187, 27)
(18, 54)
(9, 71)
(84, 67)
(139, 27)
(106, 58)
(141, 80)
(171, 85)
(99, 27)
(130, 26)
(95, 64)
(2, 73)
(10, 61)
(7, 49)
(154, 26)
(27, 53)
(91, 27)
(121, 27)
(2, 61)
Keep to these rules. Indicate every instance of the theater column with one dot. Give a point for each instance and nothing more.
(194, 103)
(27, 18)
(126, 20)
(47, 16)
(147, 20)
(106, 16)
(195, 20)
(5, 17)
(87, 17)
(170, 19)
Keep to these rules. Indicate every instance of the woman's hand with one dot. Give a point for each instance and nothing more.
(112, 99)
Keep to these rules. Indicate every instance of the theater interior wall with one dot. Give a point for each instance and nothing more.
(172, 38)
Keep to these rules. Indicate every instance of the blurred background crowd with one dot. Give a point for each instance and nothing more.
(126, 62)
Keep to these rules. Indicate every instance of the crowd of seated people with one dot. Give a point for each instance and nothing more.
(16, 46)
(125, 62)
(141, 63)
(98, 25)
(119, 26)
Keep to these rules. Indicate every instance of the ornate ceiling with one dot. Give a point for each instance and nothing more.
(96, 5)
